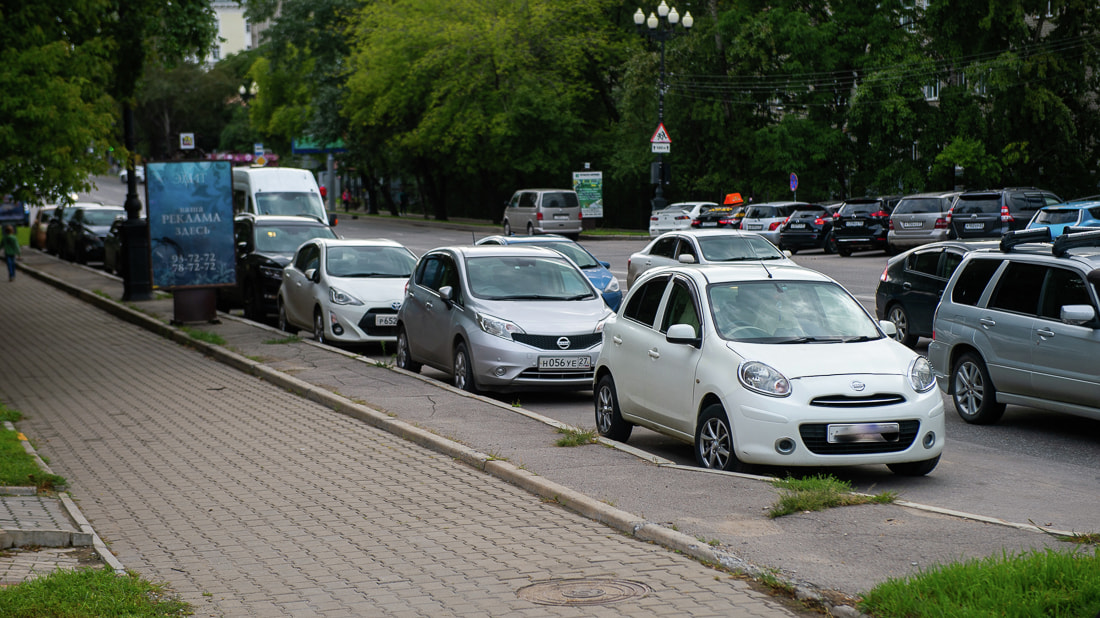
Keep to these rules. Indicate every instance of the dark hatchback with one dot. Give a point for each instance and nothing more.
(912, 283)
(265, 244)
(720, 217)
(82, 238)
(989, 214)
(809, 227)
(862, 224)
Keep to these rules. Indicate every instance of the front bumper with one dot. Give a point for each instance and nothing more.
(503, 365)
(367, 323)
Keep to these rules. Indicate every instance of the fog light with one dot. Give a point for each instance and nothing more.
(929, 439)
(335, 325)
(499, 372)
(784, 446)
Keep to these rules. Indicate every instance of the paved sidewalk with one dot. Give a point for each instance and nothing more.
(249, 499)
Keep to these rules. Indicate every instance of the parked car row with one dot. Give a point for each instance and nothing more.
(76, 231)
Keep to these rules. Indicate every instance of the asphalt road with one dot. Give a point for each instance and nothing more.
(1032, 466)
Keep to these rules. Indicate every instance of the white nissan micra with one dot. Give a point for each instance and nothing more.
(765, 365)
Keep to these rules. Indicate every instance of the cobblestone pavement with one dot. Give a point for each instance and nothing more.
(251, 501)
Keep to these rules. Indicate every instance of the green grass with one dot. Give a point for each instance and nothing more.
(1038, 583)
(89, 592)
(201, 335)
(290, 339)
(576, 437)
(17, 467)
(817, 493)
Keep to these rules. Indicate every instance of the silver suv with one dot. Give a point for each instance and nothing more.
(501, 318)
(1021, 326)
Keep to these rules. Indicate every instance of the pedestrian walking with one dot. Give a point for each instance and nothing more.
(345, 198)
(9, 247)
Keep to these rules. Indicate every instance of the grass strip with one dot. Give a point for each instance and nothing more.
(88, 592)
(1054, 584)
(820, 492)
(17, 466)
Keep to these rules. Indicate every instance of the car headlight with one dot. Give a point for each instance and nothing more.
(272, 272)
(761, 378)
(340, 297)
(920, 374)
(497, 327)
(613, 286)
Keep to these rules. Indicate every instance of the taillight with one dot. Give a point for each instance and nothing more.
(880, 214)
(836, 218)
(682, 217)
(653, 218)
(819, 221)
(724, 222)
(941, 223)
(890, 224)
(696, 223)
(538, 216)
(884, 271)
(774, 225)
(580, 215)
(1006, 217)
(947, 218)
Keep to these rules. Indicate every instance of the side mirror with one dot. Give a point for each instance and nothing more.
(1078, 314)
(888, 327)
(683, 334)
(686, 258)
(605, 264)
(447, 294)
(312, 275)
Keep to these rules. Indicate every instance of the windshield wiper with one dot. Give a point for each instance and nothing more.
(808, 339)
(858, 339)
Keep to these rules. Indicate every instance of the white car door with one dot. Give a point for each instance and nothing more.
(298, 294)
(670, 383)
(633, 335)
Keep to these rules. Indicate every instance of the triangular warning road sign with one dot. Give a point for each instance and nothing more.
(660, 136)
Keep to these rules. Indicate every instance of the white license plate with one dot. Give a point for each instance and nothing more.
(561, 216)
(798, 226)
(911, 224)
(754, 226)
(862, 432)
(709, 224)
(853, 224)
(974, 226)
(385, 320)
(572, 363)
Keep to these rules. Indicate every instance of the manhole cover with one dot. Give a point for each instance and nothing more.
(582, 591)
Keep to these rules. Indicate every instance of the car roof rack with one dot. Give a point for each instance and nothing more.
(1019, 237)
(1076, 237)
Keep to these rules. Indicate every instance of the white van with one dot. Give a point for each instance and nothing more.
(543, 211)
(278, 191)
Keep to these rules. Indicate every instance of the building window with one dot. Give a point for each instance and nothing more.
(216, 53)
(932, 91)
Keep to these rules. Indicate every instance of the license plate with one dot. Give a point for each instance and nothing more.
(709, 224)
(911, 224)
(798, 226)
(571, 363)
(862, 432)
(385, 320)
(561, 216)
(754, 226)
(974, 226)
(853, 224)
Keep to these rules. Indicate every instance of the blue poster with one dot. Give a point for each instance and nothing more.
(190, 206)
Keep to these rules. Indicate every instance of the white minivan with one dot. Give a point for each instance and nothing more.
(278, 191)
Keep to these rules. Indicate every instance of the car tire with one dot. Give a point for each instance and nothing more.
(319, 325)
(285, 325)
(464, 370)
(973, 392)
(829, 246)
(507, 228)
(714, 441)
(914, 468)
(530, 229)
(81, 255)
(609, 420)
(897, 314)
(404, 355)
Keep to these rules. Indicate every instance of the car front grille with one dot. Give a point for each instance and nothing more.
(550, 342)
(865, 401)
(367, 325)
(815, 437)
(535, 374)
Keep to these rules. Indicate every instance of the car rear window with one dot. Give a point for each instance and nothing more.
(978, 205)
(1057, 217)
(921, 205)
(564, 199)
(852, 209)
(972, 281)
(761, 212)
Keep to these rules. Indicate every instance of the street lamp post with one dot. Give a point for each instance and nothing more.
(660, 27)
(137, 280)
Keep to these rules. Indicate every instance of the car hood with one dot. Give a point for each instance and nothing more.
(803, 360)
(549, 317)
(282, 259)
(371, 289)
(599, 276)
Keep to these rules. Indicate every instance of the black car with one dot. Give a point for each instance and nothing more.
(55, 229)
(862, 224)
(809, 227)
(723, 216)
(912, 282)
(265, 244)
(989, 214)
(82, 239)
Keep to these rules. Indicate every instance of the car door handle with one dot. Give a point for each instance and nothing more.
(428, 305)
(617, 340)
(1045, 333)
(988, 322)
(653, 353)
(907, 285)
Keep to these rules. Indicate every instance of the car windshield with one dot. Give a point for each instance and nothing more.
(287, 238)
(102, 217)
(736, 248)
(526, 278)
(569, 250)
(1057, 217)
(292, 203)
(789, 312)
(368, 261)
(917, 206)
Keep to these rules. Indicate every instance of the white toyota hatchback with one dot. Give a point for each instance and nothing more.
(760, 364)
(345, 291)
